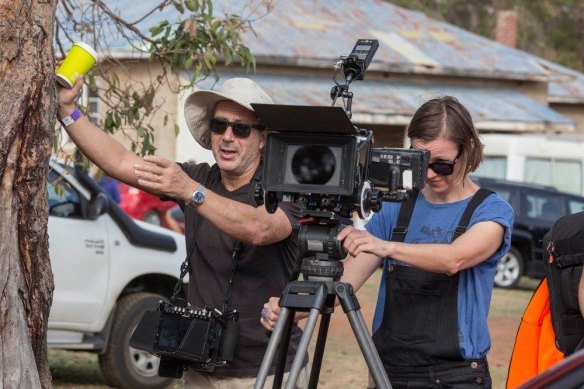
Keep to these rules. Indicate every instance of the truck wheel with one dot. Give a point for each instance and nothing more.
(121, 365)
(509, 270)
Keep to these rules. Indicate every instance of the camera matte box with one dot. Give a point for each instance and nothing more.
(303, 118)
(282, 148)
(306, 129)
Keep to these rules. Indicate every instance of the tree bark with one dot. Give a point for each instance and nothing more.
(27, 120)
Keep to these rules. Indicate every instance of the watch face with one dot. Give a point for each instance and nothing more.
(198, 197)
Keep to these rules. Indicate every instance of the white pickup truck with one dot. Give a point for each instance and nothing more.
(108, 269)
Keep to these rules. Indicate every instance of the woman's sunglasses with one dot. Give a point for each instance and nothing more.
(240, 129)
(444, 168)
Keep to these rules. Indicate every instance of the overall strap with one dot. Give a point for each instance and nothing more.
(476, 200)
(403, 219)
(407, 208)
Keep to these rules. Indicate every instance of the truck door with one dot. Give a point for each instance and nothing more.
(79, 257)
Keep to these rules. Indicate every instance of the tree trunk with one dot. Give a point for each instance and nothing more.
(27, 119)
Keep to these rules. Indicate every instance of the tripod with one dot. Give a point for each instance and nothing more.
(317, 295)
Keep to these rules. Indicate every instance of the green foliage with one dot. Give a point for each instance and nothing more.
(189, 48)
(196, 42)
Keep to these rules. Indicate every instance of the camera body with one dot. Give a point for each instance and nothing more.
(187, 338)
(312, 157)
(316, 157)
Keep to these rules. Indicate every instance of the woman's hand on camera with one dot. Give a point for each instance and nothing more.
(358, 241)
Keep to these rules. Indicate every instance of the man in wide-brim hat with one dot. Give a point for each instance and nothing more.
(219, 209)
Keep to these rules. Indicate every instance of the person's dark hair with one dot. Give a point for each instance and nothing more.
(447, 117)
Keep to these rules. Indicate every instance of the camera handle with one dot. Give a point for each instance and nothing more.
(343, 91)
(318, 298)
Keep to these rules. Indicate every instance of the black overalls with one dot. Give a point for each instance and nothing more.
(418, 339)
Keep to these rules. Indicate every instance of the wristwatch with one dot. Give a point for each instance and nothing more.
(198, 195)
(70, 119)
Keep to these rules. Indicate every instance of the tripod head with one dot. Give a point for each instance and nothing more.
(320, 250)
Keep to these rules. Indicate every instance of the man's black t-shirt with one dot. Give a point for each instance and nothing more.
(261, 272)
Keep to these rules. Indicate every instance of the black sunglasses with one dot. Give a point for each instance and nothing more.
(444, 168)
(240, 129)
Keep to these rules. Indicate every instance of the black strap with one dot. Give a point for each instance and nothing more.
(569, 260)
(407, 209)
(238, 245)
(569, 252)
(403, 219)
(476, 200)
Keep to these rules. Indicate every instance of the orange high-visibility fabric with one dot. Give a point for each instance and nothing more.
(535, 349)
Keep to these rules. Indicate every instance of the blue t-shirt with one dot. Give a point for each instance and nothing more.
(436, 223)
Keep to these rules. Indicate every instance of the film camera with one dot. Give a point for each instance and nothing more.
(316, 157)
(183, 337)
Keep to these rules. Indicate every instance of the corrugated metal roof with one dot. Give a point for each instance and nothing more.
(390, 102)
(325, 29)
(317, 32)
(566, 85)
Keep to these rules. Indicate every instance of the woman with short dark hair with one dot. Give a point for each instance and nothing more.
(430, 326)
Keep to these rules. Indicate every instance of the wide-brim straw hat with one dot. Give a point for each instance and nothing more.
(199, 106)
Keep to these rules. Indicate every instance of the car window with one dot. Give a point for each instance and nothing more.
(564, 174)
(576, 205)
(63, 198)
(544, 206)
(506, 193)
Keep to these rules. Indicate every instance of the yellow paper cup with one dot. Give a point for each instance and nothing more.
(78, 62)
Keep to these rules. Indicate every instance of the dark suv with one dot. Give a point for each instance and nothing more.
(536, 208)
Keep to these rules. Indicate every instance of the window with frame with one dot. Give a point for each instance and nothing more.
(576, 205)
(544, 206)
(564, 174)
(64, 200)
(492, 167)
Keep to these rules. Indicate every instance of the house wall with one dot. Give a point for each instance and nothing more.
(138, 73)
(574, 112)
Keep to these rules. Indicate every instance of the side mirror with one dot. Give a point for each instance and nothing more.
(97, 206)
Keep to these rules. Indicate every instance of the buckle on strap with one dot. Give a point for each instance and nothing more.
(400, 230)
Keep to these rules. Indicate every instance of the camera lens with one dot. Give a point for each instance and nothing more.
(313, 165)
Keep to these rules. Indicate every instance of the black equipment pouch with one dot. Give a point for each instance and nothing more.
(563, 269)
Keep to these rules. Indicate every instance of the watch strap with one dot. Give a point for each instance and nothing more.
(70, 119)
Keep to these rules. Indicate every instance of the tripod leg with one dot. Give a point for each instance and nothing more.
(351, 308)
(302, 347)
(319, 350)
(368, 349)
(282, 352)
(272, 347)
